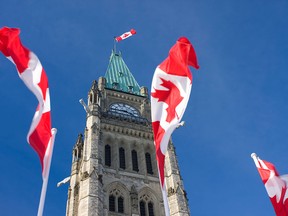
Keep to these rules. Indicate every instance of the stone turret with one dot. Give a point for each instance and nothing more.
(177, 196)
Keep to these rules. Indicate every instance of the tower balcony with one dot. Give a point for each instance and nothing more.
(121, 115)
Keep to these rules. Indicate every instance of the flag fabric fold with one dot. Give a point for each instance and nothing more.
(125, 35)
(33, 75)
(170, 91)
(275, 185)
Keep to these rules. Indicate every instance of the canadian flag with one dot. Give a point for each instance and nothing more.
(125, 35)
(170, 91)
(40, 136)
(33, 75)
(276, 185)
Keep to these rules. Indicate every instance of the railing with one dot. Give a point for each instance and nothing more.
(116, 114)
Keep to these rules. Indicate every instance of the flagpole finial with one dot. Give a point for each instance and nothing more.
(181, 124)
(114, 40)
(253, 155)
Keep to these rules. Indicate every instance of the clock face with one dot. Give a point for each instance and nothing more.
(125, 109)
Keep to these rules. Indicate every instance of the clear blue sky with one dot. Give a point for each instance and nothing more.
(238, 103)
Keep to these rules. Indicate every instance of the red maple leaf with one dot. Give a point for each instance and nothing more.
(171, 97)
(125, 35)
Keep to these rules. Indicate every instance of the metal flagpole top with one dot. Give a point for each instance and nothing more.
(253, 155)
(114, 48)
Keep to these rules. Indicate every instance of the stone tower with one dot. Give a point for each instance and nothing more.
(114, 169)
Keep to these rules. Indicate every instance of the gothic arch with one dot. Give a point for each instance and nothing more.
(147, 195)
(119, 191)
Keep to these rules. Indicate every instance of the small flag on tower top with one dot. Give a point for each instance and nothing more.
(125, 35)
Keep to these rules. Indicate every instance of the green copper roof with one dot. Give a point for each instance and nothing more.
(119, 77)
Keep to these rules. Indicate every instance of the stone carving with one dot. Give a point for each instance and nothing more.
(85, 175)
(95, 128)
(134, 199)
(171, 191)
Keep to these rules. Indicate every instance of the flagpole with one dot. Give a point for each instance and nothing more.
(114, 39)
(164, 193)
(254, 157)
(165, 200)
(45, 174)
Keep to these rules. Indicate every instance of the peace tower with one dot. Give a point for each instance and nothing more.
(114, 167)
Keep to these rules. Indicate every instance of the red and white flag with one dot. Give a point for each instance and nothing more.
(170, 91)
(125, 35)
(40, 136)
(276, 185)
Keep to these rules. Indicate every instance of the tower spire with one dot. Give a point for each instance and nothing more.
(119, 77)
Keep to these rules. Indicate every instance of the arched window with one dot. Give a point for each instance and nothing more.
(148, 163)
(134, 161)
(150, 209)
(79, 154)
(116, 201)
(142, 208)
(75, 155)
(120, 205)
(107, 155)
(122, 164)
(112, 206)
(95, 98)
(91, 98)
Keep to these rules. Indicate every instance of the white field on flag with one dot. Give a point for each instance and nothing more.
(159, 112)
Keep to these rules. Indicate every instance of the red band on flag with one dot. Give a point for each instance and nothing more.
(181, 55)
(40, 137)
(10, 41)
(158, 135)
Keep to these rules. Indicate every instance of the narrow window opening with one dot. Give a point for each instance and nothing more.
(112, 203)
(107, 155)
(120, 205)
(95, 98)
(79, 153)
(150, 209)
(75, 158)
(142, 208)
(134, 161)
(122, 164)
(148, 163)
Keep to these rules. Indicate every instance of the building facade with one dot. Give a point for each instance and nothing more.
(114, 167)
